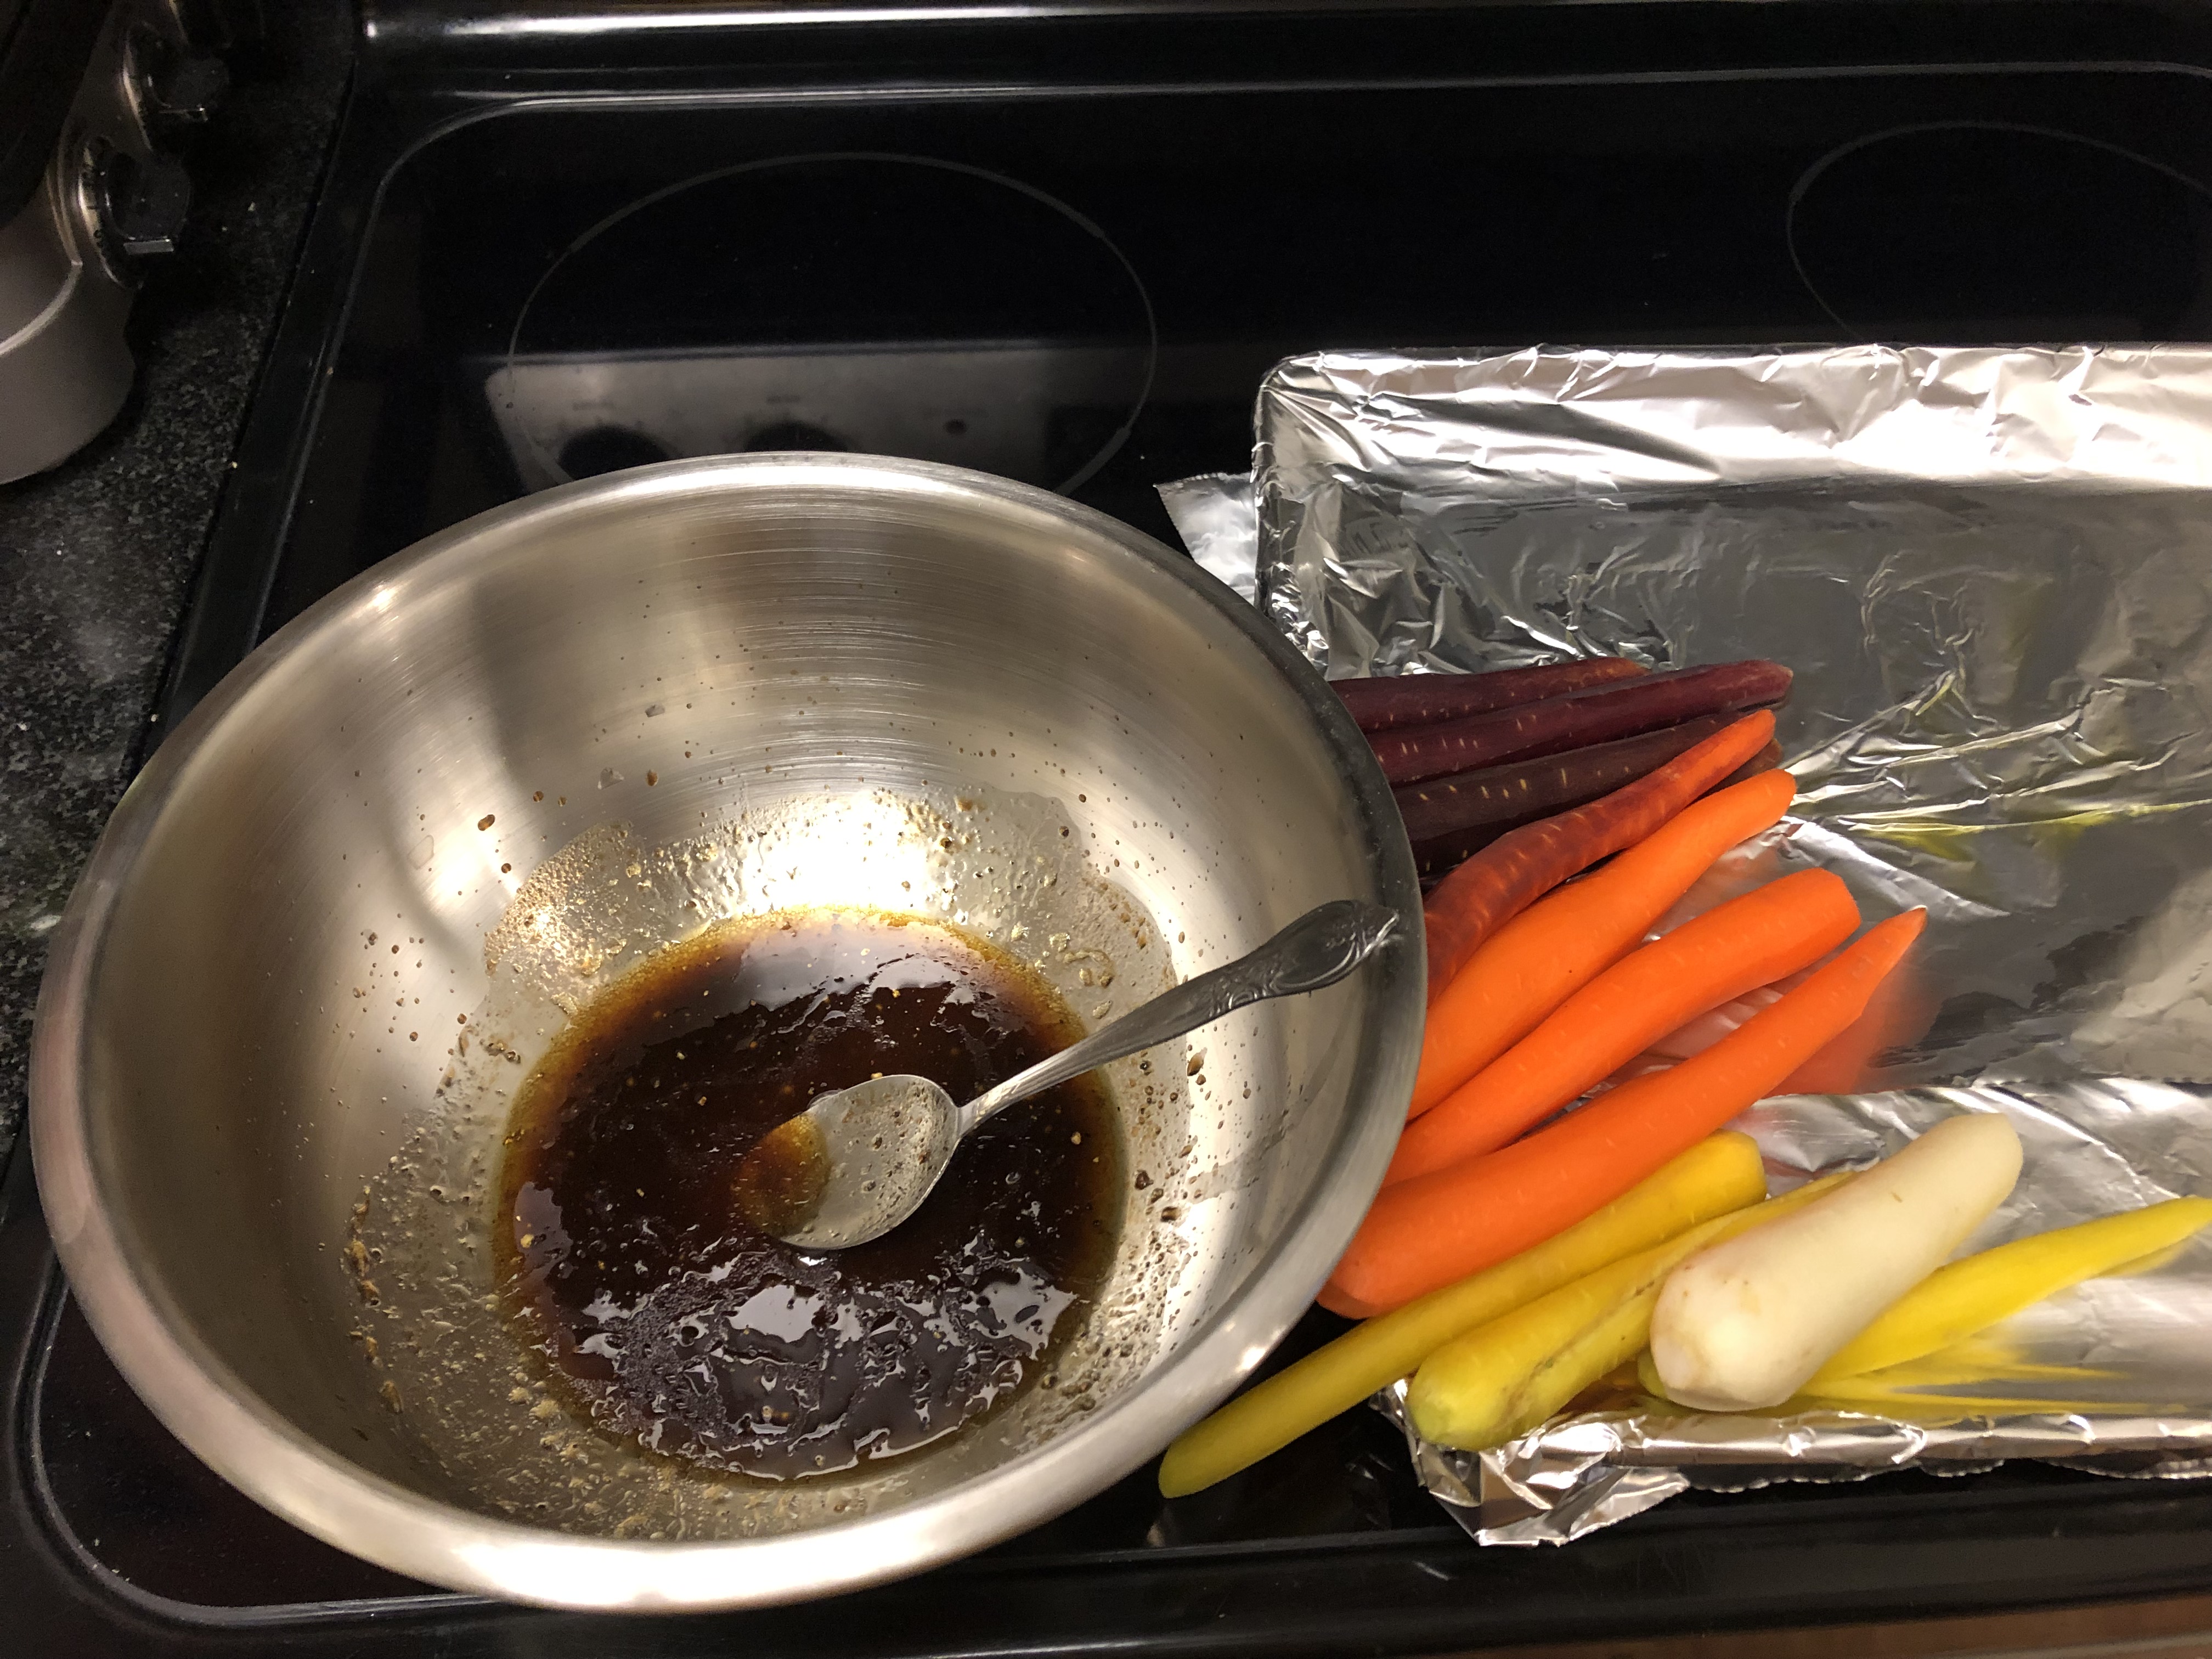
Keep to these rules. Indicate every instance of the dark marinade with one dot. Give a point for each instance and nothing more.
(670, 1319)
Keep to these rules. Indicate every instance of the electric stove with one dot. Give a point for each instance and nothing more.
(1063, 243)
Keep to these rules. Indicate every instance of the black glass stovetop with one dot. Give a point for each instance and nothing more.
(1065, 248)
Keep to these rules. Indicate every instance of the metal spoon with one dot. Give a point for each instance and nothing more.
(859, 1161)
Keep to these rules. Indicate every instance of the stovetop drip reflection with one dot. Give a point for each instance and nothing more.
(788, 304)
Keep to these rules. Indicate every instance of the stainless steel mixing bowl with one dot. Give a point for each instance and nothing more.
(253, 998)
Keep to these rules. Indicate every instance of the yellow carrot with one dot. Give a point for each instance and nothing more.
(1502, 1379)
(1964, 1297)
(1715, 1176)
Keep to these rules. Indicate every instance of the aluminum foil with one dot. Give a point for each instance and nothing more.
(1992, 572)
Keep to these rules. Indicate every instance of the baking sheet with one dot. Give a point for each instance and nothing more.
(1992, 572)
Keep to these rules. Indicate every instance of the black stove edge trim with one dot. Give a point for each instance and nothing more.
(433, 45)
(400, 24)
(31, 1278)
(441, 25)
(46, 1568)
(489, 106)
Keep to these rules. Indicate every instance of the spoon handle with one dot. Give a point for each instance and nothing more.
(1320, 948)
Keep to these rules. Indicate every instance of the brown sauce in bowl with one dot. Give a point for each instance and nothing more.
(668, 1318)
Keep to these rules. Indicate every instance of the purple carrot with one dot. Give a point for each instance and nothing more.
(1395, 702)
(1449, 818)
(1577, 720)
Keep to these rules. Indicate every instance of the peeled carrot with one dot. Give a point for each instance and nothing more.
(1389, 703)
(1521, 866)
(1742, 1326)
(1496, 1381)
(1734, 948)
(1441, 1226)
(1543, 957)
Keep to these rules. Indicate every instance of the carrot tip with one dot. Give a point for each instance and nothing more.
(1344, 1304)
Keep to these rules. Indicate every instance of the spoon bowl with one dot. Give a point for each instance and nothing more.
(859, 1161)
(852, 1166)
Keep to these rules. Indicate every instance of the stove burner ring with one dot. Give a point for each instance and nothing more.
(609, 442)
(1970, 237)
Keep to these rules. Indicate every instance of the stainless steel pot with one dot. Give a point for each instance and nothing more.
(251, 1015)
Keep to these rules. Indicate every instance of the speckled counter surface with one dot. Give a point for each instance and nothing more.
(97, 557)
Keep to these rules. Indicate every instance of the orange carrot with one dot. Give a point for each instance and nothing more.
(1505, 878)
(1734, 948)
(1900, 1013)
(1765, 761)
(1452, 1222)
(1543, 957)
(1346, 1307)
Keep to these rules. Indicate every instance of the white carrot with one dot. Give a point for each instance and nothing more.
(1740, 1326)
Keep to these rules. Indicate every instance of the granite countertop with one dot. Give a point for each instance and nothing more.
(97, 556)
